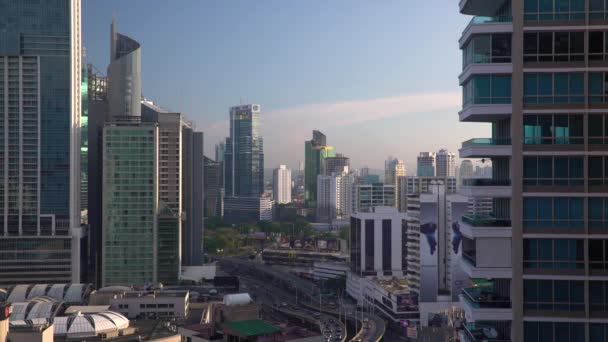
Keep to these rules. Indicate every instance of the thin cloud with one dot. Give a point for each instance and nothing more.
(285, 129)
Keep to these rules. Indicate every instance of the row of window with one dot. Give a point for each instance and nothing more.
(554, 295)
(554, 254)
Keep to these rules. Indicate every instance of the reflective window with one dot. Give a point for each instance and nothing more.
(554, 10)
(554, 88)
(487, 89)
(554, 46)
(553, 254)
(598, 87)
(555, 129)
(488, 48)
(554, 295)
(553, 212)
(554, 171)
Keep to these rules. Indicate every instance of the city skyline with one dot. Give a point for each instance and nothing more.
(326, 81)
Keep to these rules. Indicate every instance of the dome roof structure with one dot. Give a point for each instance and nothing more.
(80, 325)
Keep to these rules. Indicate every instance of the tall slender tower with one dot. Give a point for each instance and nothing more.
(315, 152)
(40, 111)
(244, 154)
(445, 164)
(536, 71)
(281, 179)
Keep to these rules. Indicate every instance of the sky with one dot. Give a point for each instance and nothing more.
(379, 78)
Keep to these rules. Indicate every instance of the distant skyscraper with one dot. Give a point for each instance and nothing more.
(426, 164)
(40, 111)
(282, 185)
(445, 164)
(220, 150)
(214, 188)
(465, 171)
(334, 196)
(316, 151)
(393, 168)
(124, 95)
(336, 164)
(244, 156)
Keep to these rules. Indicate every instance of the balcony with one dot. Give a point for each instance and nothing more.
(486, 147)
(489, 264)
(483, 303)
(475, 332)
(486, 187)
(485, 112)
(480, 7)
(485, 226)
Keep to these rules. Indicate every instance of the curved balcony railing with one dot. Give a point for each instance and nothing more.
(497, 19)
(476, 142)
(486, 182)
(486, 221)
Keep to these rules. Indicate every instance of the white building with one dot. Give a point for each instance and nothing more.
(445, 164)
(393, 168)
(334, 196)
(282, 185)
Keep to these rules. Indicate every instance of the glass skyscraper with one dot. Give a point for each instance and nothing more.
(40, 111)
(315, 152)
(244, 154)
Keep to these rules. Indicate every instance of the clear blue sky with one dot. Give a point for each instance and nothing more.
(378, 77)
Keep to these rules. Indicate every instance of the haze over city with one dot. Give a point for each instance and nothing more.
(347, 68)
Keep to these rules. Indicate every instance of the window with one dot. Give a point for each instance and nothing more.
(554, 331)
(386, 245)
(554, 295)
(552, 88)
(598, 87)
(598, 129)
(597, 9)
(553, 254)
(487, 89)
(598, 254)
(540, 10)
(554, 46)
(598, 213)
(598, 332)
(553, 171)
(487, 48)
(553, 212)
(598, 296)
(598, 171)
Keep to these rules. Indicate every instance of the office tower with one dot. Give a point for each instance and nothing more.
(130, 227)
(193, 193)
(393, 168)
(315, 152)
(336, 164)
(214, 188)
(281, 185)
(220, 150)
(445, 164)
(244, 155)
(238, 210)
(426, 164)
(41, 109)
(84, 146)
(366, 196)
(334, 196)
(542, 88)
(124, 71)
(379, 264)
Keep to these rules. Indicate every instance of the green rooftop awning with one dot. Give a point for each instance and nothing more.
(252, 327)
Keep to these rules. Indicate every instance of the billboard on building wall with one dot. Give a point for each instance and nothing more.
(407, 302)
(428, 251)
(459, 277)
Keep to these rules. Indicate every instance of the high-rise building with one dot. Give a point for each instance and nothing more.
(366, 196)
(336, 164)
(393, 168)
(40, 92)
(130, 243)
(421, 185)
(541, 88)
(214, 188)
(315, 152)
(193, 190)
(445, 164)
(239, 210)
(244, 155)
(124, 72)
(281, 185)
(465, 171)
(334, 196)
(426, 164)
(220, 150)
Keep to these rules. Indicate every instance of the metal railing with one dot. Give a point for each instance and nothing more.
(486, 221)
(487, 142)
(469, 256)
(496, 19)
(486, 182)
(485, 297)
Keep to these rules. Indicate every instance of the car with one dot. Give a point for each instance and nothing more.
(283, 304)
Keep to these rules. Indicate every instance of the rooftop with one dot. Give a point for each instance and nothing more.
(252, 327)
(393, 285)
